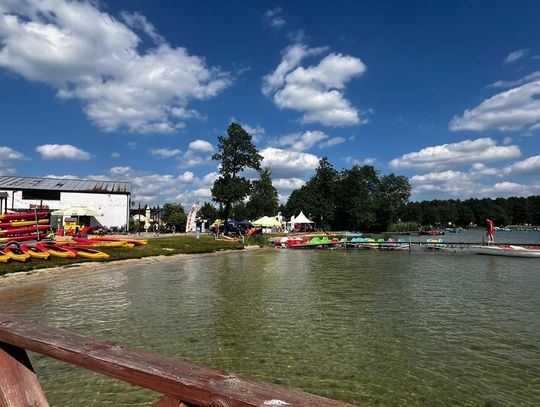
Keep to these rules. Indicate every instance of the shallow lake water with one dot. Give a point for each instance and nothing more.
(366, 327)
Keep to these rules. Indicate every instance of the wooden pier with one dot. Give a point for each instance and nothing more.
(182, 384)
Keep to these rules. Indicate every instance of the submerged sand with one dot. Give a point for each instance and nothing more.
(32, 276)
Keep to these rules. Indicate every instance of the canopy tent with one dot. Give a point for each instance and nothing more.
(301, 218)
(77, 210)
(266, 222)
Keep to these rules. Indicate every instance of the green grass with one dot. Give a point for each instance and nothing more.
(165, 246)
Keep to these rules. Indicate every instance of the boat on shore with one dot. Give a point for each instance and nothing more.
(507, 250)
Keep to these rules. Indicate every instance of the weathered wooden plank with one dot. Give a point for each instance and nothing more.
(169, 402)
(19, 385)
(173, 378)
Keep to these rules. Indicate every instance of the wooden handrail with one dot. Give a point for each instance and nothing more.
(180, 382)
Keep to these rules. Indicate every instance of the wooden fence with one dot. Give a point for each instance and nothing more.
(181, 384)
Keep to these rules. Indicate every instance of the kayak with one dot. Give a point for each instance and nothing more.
(136, 242)
(504, 250)
(4, 258)
(35, 252)
(23, 215)
(33, 236)
(23, 230)
(20, 223)
(16, 254)
(87, 253)
(81, 241)
(56, 251)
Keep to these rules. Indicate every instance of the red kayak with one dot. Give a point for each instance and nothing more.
(35, 252)
(23, 215)
(33, 236)
(56, 251)
(20, 223)
(23, 231)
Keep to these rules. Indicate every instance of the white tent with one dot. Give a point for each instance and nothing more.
(301, 218)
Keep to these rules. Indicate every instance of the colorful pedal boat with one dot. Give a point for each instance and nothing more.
(35, 252)
(16, 254)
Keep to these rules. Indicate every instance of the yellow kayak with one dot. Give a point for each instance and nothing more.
(4, 258)
(87, 253)
(56, 251)
(34, 252)
(16, 254)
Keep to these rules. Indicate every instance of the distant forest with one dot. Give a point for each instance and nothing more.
(503, 211)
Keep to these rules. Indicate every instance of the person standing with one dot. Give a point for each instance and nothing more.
(490, 231)
(198, 227)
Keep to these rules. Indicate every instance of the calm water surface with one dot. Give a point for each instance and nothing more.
(369, 328)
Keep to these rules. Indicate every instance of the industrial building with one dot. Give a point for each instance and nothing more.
(109, 199)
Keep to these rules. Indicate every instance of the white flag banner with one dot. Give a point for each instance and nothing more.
(192, 215)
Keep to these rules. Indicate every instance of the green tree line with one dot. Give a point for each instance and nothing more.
(503, 211)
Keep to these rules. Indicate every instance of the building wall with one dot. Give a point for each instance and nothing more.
(115, 208)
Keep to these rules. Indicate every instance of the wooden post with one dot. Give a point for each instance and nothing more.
(19, 385)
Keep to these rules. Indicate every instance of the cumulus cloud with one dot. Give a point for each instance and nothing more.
(316, 91)
(287, 163)
(62, 152)
(165, 152)
(7, 156)
(87, 54)
(530, 165)
(456, 154)
(511, 110)
(307, 140)
(201, 146)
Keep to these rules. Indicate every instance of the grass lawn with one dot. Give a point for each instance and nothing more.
(165, 246)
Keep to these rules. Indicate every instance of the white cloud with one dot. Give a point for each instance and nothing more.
(510, 84)
(530, 165)
(201, 146)
(511, 110)
(456, 154)
(301, 141)
(287, 184)
(115, 155)
(316, 91)
(165, 152)
(334, 141)
(515, 55)
(288, 164)
(186, 178)
(139, 22)
(62, 152)
(89, 55)
(274, 19)
(7, 155)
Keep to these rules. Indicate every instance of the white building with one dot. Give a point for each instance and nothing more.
(110, 198)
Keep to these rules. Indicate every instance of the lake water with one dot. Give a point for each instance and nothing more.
(369, 328)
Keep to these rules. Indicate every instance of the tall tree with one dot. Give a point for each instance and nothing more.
(208, 212)
(236, 153)
(264, 197)
(174, 214)
(394, 193)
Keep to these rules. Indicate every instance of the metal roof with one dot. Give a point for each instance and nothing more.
(65, 185)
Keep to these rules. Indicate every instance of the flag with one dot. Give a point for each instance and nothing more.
(190, 224)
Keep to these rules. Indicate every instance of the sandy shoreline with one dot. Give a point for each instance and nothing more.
(26, 277)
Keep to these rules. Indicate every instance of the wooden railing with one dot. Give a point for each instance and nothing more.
(182, 384)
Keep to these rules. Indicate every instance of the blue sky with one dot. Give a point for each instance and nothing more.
(445, 93)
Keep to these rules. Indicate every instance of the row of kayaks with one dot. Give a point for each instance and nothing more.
(67, 249)
(23, 226)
